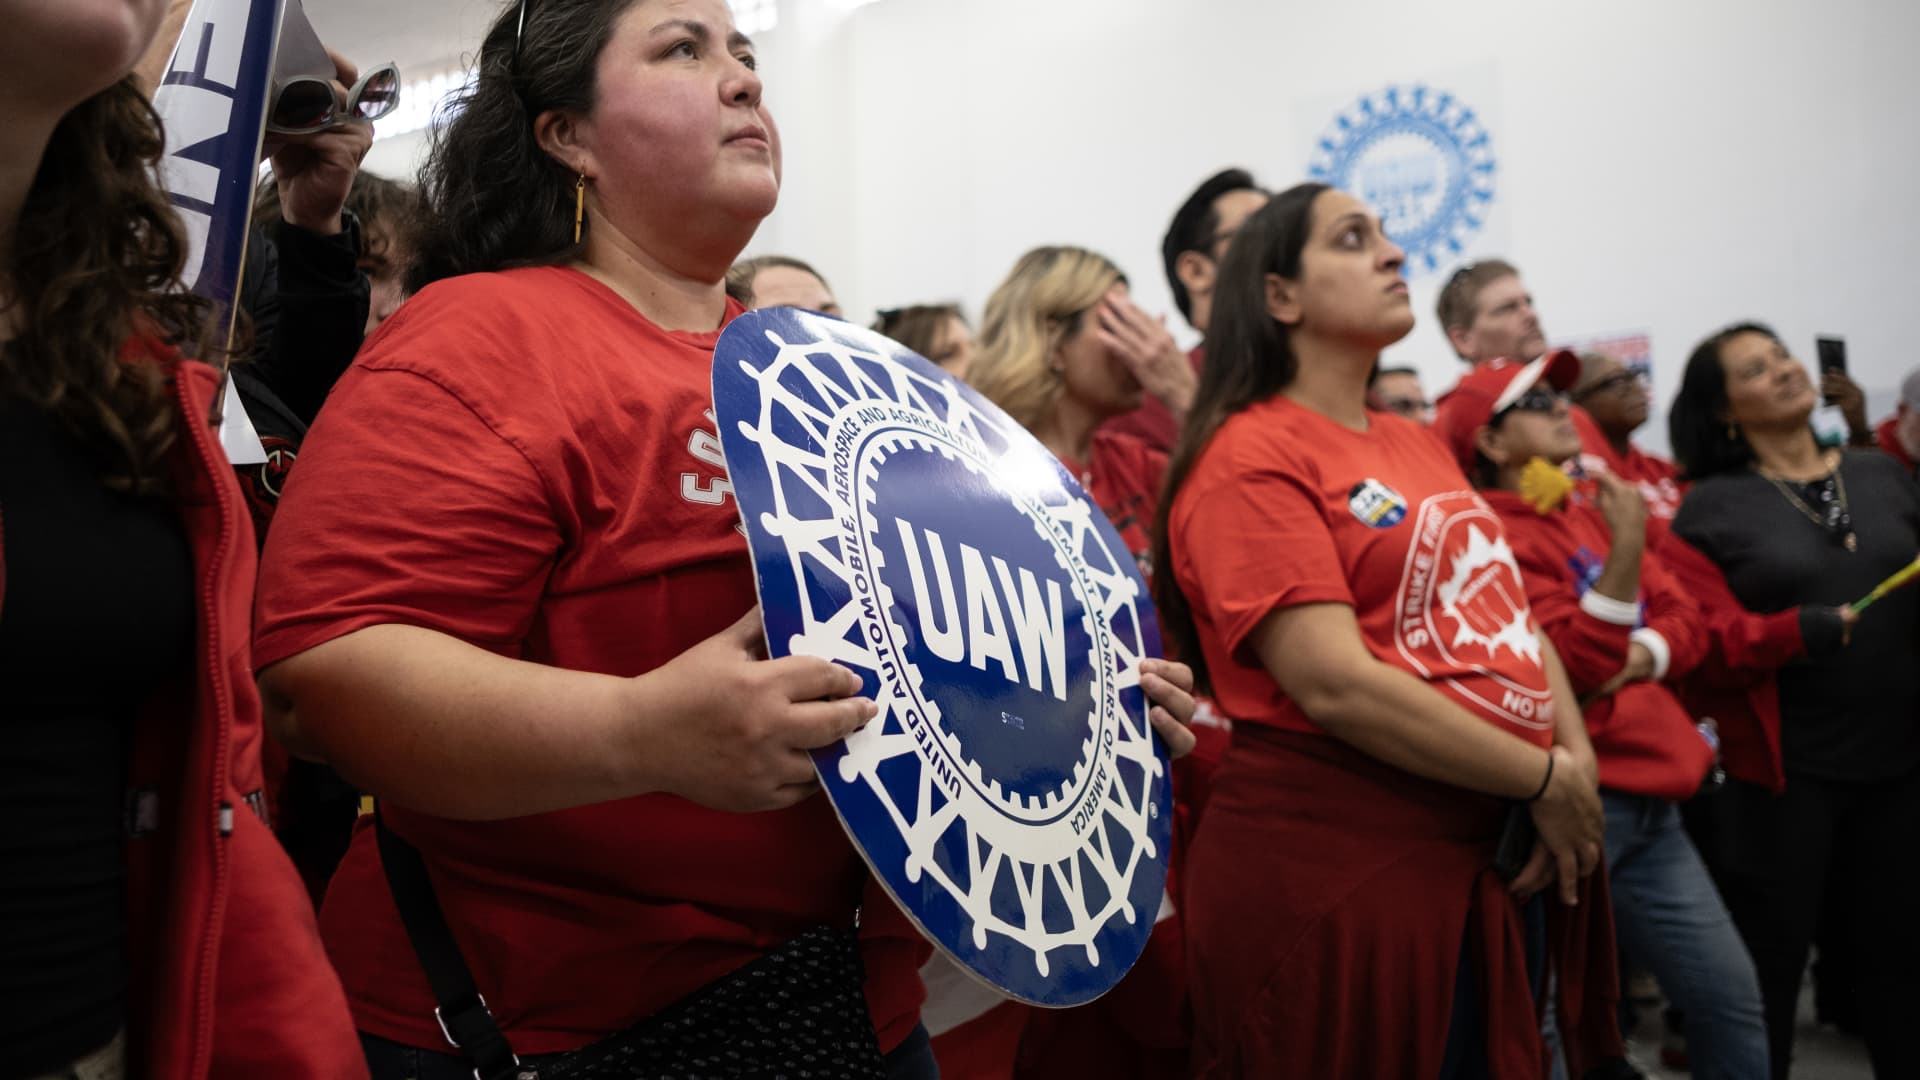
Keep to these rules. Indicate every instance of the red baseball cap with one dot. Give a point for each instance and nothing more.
(1488, 389)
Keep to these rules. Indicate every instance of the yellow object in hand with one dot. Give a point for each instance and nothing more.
(1544, 486)
(1904, 576)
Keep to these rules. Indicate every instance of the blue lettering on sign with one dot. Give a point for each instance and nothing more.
(211, 101)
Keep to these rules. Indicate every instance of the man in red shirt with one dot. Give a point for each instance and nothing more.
(1621, 625)
(1195, 242)
(1488, 314)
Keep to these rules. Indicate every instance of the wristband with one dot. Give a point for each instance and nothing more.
(1544, 781)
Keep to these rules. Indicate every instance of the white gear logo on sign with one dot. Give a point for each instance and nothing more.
(1462, 607)
(1476, 569)
(832, 421)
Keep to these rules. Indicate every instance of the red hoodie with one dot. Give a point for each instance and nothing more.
(1645, 741)
(218, 922)
(1735, 684)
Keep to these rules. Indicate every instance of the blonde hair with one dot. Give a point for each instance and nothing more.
(1041, 303)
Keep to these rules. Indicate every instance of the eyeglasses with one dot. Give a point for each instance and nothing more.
(1539, 399)
(1411, 408)
(306, 104)
(1612, 384)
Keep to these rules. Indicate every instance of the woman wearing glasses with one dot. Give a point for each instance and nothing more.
(507, 596)
(1615, 397)
(149, 925)
(1623, 626)
(1356, 608)
(1819, 705)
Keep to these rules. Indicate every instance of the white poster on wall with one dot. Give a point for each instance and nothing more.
(1633, 348)
(1425, 153)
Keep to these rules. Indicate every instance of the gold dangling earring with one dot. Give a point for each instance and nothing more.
(579, 205)
(1732, 433)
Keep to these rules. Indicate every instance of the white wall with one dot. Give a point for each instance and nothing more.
(1671, 166)
(398, 158)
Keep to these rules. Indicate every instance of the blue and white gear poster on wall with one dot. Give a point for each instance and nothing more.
(1425, 153)
(1010, 792)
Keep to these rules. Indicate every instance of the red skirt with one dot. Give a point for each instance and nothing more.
(1327, 898)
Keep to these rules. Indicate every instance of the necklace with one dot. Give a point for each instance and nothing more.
(1835, 518)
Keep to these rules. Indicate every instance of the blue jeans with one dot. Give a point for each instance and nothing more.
(1671, 921)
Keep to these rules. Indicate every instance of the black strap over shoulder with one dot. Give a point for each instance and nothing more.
(803, 1003)
(462, 1012)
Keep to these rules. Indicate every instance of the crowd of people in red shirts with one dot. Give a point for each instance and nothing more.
(1476, 704)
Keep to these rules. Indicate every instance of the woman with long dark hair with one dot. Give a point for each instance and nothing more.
(507, 595)
(149, 925)
(1354, 606)
(1819, 706)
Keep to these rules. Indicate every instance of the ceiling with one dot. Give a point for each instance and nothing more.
(422, 36)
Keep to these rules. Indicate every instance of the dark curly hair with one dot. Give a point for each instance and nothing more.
(493, 198)
(96, 259)
(387, 210)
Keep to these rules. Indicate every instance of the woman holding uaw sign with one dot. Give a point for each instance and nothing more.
(507, 594)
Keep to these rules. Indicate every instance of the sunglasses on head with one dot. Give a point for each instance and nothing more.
(519, 34)
(305, 104)
(1539, 399)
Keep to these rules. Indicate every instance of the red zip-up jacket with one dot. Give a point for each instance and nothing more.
(1642, 736)
(1735, 685)
(226, 973)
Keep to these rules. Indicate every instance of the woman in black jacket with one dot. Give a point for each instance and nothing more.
(1793, 524)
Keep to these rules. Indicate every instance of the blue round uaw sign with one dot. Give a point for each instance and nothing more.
(1009, 793)
(1422, 157)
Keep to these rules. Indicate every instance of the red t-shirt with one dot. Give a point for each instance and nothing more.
(522, 461)
(1287, 507)
(1122, 476)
